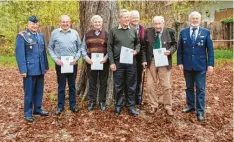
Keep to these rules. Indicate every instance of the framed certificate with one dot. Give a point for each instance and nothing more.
(67, 66)
(160, 58)
(96, 59)
(126, 55)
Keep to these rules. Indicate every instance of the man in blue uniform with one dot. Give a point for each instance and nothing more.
(32, 63)
(195, 56)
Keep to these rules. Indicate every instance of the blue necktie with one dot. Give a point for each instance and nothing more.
(193, 35)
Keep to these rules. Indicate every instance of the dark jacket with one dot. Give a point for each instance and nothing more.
(195, 57)
(30, 53)
(168, 40)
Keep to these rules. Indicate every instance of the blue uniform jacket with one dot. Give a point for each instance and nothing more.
(198, 56)
(31, 53)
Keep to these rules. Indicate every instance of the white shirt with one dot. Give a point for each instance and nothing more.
(196, 31)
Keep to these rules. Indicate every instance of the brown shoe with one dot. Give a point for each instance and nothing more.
(169, 111)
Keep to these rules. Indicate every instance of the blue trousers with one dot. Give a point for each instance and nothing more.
(196, 79)
(33, 94)
(125, 74)
(61, 80)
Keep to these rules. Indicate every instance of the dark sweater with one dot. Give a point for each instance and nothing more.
(121, 37)
(96, 43)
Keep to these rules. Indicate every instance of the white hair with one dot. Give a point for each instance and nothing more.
(194, 13)
(159, 19)
(135, 13)
(96, 17)
(64, 16)
(122, 12)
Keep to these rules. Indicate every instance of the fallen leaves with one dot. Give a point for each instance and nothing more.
(105, 126)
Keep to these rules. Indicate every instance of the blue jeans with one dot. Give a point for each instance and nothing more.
(61, 80)
(196, 79)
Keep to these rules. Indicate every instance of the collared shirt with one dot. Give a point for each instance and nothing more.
(64, 44)
(84, 47)
(120, 27)
(196, 32)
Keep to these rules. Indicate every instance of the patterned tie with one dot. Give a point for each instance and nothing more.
(157, 41)
(193, 37)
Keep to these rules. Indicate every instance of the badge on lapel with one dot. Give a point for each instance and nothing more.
(184, 39)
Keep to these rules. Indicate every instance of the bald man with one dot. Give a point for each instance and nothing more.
(65, 41)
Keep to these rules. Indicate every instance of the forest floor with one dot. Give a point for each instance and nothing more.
(100, 126)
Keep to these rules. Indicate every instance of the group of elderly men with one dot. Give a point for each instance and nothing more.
(194, 56)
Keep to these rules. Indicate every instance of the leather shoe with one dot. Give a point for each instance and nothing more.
(74, 109)
(91, 106)
(59, 111)
(41, 113)
(102, 106)
(169, 111)
(133, 112)
(200, 117)
(117, 111)
(188, 109)
(29, 119)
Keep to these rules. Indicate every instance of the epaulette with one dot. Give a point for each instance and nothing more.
(25, 35)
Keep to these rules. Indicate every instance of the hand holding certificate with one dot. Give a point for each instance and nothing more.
(160, 58)
(126, 55)
(67, 66)
(96, 59)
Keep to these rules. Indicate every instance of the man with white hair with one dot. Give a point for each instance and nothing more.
(195, 56)
(95, 41)
(159, 37)
(135, 23)
(65, 41)
(119, 37)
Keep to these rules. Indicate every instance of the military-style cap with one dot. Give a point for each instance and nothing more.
(33, 19)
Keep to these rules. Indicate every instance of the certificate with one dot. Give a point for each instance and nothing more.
(159, 57)
(126, 55)
(96, 59)
(67, 66)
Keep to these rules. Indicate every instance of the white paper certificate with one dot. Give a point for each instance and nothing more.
(96, 59)
(126, 55)
(160, 58)
(67, 66)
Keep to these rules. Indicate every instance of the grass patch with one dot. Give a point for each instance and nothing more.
(222, 57)
(11, 61)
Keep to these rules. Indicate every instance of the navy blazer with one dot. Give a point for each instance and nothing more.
(198, 56)
(31, 53)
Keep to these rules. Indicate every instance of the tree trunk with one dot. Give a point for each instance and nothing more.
(108, 11)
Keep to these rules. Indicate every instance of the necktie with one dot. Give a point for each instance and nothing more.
(157, 41)
(193, 37)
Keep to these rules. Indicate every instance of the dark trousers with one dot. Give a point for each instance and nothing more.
(138, 96)
(94, 75)
(33, 94)
(196, 79)
(61, 80)
(125, 74)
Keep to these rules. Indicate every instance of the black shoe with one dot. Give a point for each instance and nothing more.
(188, 109)
(200, 117)
(133, 112)
(102, 106)
(74, 109)
(29, 119)
(41, 113)
(117, 111)
(91, 106)
(59, 111)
